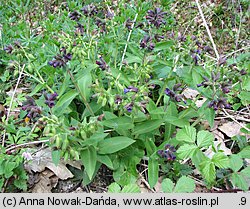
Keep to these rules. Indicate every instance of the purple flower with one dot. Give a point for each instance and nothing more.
(168, 152)
(181, 37)
(173, 93)
(169, 92)
(102, 64)
(101, 24)
(8, 49)
(215, 77)
(32, 109)
(60, 60)
(75, 15)
(177, 87)
(89, 10)
(118, 99)
(109, 14)
(129, 23)
(50, 99)
(155, 17)
(243, 72)
(195, 58)
(158, 37)
(129, 107)
(130, 89)
(208, 49)
(219, 104)
(27, 156)
(126, 91)
(146, 43)
(195, 55)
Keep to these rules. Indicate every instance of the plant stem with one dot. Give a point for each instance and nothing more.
(197, 120)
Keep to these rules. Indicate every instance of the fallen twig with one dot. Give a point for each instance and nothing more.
(11, 102)
(230, 116)
(208, 30)
(26, 144)
(125, 48)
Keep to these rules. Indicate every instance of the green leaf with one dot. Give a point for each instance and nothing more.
(105, 159)
(94, 106)
(147, 126)
(124, 123)
(188, 114)
(64, 101)
(187, 134)
(114, 144)
(176, 121)
(167, 185)
(38, 88)
(170, 127)
(56, 155)
(244, 97)
(208, 170)
(150, 146)
(135, 50)
(85, 177)
(196, 76)
(153, 169)
(239, 181)
(163, 45)
(21, 184)
(64, 86)
(114, 188)
(132, 58)
(198, 157)
(184, 185)
(210, 115)
(124, 177)
(1, 183)
(84, 85)
(246, 172)
(235, 162)
(204, 139)
(89, 158)
(109, 115)
(186, 151)
(220, 160)
(131, 188)
(245, 152)
(8, 169)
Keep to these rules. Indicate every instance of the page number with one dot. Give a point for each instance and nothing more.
(243, 201)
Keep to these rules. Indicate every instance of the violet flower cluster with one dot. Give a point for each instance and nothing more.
(168, 152)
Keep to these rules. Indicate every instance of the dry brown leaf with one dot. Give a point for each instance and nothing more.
(190, 93)
(200, 102)
(218, 135)
(43, 159)
(47, 180)
(230, 129)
